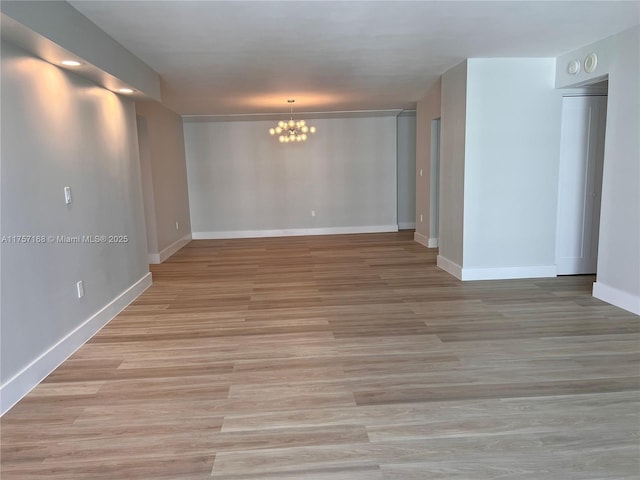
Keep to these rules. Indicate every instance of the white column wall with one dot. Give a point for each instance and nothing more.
(511, 168)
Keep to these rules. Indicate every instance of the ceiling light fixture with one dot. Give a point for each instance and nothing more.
(125, 90)
(71, 63)
(291, 130)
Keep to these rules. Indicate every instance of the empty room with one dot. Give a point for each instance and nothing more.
(320, 240)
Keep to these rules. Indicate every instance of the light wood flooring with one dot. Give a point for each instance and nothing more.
(339, 358)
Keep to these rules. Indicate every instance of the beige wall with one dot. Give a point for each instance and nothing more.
(452, 165)
(428, 109)
(165, 171)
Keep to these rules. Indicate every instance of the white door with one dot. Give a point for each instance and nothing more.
(580, 183)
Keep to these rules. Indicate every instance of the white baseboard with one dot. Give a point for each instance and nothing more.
(426, 241)
(449, 267)
(170, 250)
(293, 232)
(619, 298)
(406, 225)
(506, 273)
(421, 239)
(23, 382)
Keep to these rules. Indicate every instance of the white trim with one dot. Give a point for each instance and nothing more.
(421, 239)
(293, 232)
(406, 225)
(433, 243)
(170, 250)
(449, 267)
(24, 381)
(505, 273)
(278, 116)
(625, 300)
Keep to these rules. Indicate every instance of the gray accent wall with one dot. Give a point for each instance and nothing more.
(60, 130)
(242, 179)
(407, 169)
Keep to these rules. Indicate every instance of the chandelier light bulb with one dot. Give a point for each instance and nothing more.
(312, 129)
(272, 131)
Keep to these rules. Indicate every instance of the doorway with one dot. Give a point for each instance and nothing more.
(580, 183)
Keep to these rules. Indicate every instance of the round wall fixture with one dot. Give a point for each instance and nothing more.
(573, 67)
(590, 62)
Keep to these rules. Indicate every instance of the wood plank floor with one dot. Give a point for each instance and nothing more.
(339, 358)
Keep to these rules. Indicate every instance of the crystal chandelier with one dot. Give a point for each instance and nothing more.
(292, 131)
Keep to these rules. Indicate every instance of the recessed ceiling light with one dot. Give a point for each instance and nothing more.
(125, 90)
(71, 63)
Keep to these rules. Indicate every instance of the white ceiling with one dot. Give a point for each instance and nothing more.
(240, 57)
